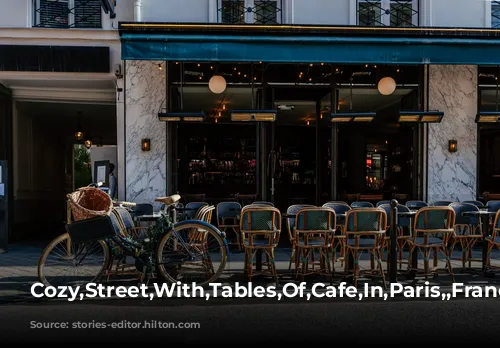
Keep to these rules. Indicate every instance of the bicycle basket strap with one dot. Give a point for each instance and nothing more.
(92, 229)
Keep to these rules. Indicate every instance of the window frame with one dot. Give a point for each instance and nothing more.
(385, 18)
(249, 17)
(72, 23)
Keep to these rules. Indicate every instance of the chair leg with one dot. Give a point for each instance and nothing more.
(426, 263)
(292, 255)
(380, 269)
(272, 261)
(448, 263)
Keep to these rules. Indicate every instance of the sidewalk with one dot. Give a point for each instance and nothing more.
(18, 271)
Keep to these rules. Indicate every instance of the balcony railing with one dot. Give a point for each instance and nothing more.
(391, 13)
(67, 14)
(495, 14)
(250, 11)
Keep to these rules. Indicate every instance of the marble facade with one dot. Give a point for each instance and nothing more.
(145, 96)
(453, 89)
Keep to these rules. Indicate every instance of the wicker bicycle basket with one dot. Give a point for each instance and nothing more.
(89, 202)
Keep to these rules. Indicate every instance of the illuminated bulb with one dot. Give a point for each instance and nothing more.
(220, 114)
(160, 67)
(223, 106)
(337, 70)
(310, 79)
(245, 75)
(176, 63)
(307, 122)
(199, 65)
(310, 65)
(366, 66)
(255, 79)
(260, 62)
(397, 70)
(239, 73)
(201, 77)
(321, 116)
(375, 66)
(211, 67)
(234, 69)
(322, 63)
(216, 120)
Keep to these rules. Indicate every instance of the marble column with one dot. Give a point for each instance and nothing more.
(145, 96)
(453, 89)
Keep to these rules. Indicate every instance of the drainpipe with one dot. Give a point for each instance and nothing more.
(137, 11)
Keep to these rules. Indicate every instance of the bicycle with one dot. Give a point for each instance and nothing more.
(100, 241)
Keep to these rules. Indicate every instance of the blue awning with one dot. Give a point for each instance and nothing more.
(375, 48)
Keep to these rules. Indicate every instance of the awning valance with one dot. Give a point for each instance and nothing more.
(207, 43)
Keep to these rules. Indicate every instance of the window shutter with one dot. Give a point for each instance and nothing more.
(54, 14)
(87, 14)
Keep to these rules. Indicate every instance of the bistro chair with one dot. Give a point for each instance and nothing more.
(361, 204)
(314, 229)
(260, 228)
(416, 205)
(336, 202)
(493, 206)
(290, 226)
(263, 203)
(478, 204)
(192, 209)
(467, 231)
(365, 232)
(123, 223)
(493, 240)
(340, 210)
(442, 203)
(379, 203)
(432, 230)
(401, 237)
(228, 217)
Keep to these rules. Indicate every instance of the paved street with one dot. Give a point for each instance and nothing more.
(257, 321)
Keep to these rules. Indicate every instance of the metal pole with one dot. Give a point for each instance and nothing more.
(393, 250)
(318, 153)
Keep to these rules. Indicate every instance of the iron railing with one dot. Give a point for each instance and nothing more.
(393, 13)
(495, 14)
(67, 13)
(250, 11)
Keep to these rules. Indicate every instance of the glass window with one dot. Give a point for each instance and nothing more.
(67, 13)
(249, 11)
(495, 14)
(394, 13)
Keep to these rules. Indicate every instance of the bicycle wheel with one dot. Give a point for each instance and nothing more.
(66, 264)
(191, 253)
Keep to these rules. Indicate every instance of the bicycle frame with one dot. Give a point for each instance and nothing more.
(130, 248)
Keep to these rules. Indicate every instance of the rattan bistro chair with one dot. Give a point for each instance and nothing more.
(290, 226)
(467, 232)
(228, 215)
(433, 228)
(313, 235)
(493, 240)
(260, 228)
(365, 232)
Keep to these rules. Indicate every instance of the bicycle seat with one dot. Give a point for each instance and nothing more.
(169, 200)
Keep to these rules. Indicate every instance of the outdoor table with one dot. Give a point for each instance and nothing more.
(485, 219)
(414, 260)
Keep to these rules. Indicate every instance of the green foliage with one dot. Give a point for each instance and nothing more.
(83, 166)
